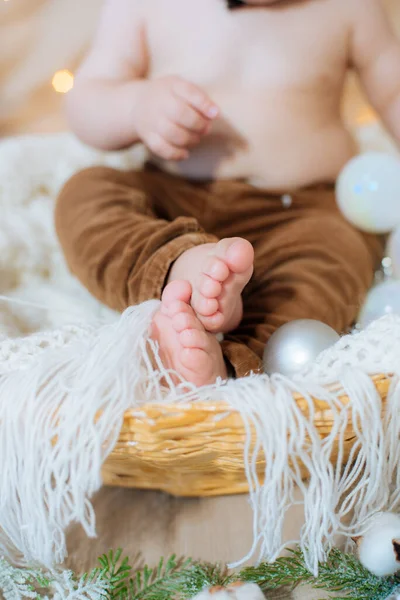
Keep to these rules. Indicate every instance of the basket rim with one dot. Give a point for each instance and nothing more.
(381, 381)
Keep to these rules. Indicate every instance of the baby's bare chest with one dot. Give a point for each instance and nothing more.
(247, 49)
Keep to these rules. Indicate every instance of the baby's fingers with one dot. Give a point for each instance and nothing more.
(196, 98)
(180, 112)
(164, 149)
(179, 136)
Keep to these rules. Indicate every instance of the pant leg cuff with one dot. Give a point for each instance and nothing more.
(241, 361)
(158, 268)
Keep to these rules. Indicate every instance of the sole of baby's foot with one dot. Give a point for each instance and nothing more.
(185, 347)
(217, 293)
(218, 274)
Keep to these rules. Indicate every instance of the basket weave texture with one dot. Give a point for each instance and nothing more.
(197, 449)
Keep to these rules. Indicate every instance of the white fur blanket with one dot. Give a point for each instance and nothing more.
(65, 386)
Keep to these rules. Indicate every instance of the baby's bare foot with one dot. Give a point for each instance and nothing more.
(218, 273)
(185, 346)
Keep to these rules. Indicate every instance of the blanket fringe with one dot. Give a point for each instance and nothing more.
(61, 413)
(63, 409)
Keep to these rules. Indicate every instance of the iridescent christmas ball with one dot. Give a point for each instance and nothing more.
(383, 299)
(368, 192)
(393, 252)
(297, 344)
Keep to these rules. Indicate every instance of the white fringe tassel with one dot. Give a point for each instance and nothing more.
(61, 414)
(62, 407)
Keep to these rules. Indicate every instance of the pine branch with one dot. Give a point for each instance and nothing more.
(201, 576)
(116, 571)
(66, 585)
(344, 573)
(21, 584)
(341, 573)
(115, 579)
(288, 571)
(161, 583)
(16, 583)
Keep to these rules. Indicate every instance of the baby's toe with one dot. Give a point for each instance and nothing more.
(237, 253)
(176, 291)
(204, 306)
(216, 269)
(197, 361)
(214, 323)
(179, 307)
(186, 320)
(194, 338)
(208, 287)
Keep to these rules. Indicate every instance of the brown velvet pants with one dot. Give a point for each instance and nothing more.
(121, 232)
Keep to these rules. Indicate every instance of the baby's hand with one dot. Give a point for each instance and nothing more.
(172, 115)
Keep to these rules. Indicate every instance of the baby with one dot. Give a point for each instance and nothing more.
(233, 221)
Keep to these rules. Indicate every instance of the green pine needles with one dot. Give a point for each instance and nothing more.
(342, 573)
(116, 579)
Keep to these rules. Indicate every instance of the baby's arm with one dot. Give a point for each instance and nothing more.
(376, 57)
(101, 105)
(113, 105)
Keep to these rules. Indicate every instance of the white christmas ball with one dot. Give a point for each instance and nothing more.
(368, 192)
(383, 299)
(393, 252)
(248, 591)
(376, 548)
(297, 344)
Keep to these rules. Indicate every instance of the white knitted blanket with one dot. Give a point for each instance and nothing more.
(66, 384)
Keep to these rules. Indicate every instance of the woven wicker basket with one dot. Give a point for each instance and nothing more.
(195, 449)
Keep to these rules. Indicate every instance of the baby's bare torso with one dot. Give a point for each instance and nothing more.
(277, 75)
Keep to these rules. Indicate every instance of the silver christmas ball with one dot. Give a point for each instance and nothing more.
(383, 299)
(394, 252)
(295, 345)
